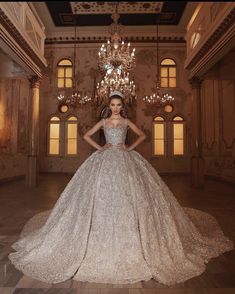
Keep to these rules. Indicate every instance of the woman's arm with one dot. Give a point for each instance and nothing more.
(136, 130)
(92, 131)
(139, 132)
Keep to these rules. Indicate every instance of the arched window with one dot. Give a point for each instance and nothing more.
(168, 73)
(178, 135)
(54, 136)
(64, 73)
(158, 136)
(71, 135)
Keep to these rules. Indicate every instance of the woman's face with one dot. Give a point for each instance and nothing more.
(115, 105)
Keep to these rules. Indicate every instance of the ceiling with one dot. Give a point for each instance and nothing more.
(58, 17)
(99, 13)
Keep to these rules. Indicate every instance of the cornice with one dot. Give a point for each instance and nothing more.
(15, 34)
(213, 39)
(102, 39)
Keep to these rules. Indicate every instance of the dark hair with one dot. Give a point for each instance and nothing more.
(106, 112)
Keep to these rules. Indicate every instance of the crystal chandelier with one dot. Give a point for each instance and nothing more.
(115, 61)
(73, 97)
(115, 80)
(159, 97)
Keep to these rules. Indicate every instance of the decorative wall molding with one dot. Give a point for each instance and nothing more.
(213, 44)
(102, 39)
(19, 45)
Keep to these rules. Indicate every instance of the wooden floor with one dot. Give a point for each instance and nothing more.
(18, 204)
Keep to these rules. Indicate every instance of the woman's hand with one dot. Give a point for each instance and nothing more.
(122, 146)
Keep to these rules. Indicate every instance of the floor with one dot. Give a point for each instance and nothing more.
(18, 204)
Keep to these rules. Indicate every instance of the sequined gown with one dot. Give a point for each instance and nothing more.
(117, 222)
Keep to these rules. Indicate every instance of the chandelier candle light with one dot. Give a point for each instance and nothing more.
(115, 61)
(159, 96)
(75, 97)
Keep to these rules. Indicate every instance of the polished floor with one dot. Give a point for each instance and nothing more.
(18, 204)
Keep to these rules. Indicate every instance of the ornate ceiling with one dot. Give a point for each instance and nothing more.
(99, 13)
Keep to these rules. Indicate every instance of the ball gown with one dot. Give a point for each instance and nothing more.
(118, 222)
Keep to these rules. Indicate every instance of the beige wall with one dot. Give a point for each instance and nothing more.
(14, 97)
(142, 115)
(218, 113)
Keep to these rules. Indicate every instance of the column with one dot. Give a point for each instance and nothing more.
(32, 162)
(197, 161)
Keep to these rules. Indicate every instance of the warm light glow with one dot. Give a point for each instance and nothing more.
(178, 133)
(65, 62)
(178, 118)
(158, 118)
(158, 138)
(168, 108)
(72, 118)
(72, 138)
(167, 61)
(55, 118)
(54, 138)
(64, 74)
(194, 15)
(168, 73)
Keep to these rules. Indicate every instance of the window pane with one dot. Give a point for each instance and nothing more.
(65, 62)
(164, 82)
(158, 147)
(167, 61)
(178, 118)
(159, 118)
(178, 147)
(54, 146)
(72, 146)
(172, 82)
(72, 131)
(164, 72)
(72, 118)
(68, 72)
(54, 118)
(68, 83)
(60, 72)
(178, 131)
(54, 131)
(158, 131)
(172, 72)
(60, 83)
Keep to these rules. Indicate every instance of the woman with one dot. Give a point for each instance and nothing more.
(117, 221)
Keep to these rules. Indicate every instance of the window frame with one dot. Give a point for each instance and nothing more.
(153, 137)
(183, 122)
(63, 122)
(67, 121)
(48, 135)
(64, 76)
(168, 77)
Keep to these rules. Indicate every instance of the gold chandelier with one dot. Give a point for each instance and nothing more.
(115, 61)
(115, 80)
(160, 96)
(73, 97)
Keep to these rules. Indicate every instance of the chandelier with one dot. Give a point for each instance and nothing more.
(115, 61)
(159, 97)
(115, 80)
(73, 97)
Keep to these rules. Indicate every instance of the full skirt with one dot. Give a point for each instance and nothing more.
(118, 222)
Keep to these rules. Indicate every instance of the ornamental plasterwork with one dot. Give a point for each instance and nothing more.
(123, 7)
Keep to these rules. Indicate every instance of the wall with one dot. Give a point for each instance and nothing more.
(14, 97)
(218, 112)
(142, 115)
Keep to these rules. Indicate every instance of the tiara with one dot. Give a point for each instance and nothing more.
(116, 93)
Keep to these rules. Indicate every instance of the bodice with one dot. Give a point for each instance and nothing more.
(115, 135)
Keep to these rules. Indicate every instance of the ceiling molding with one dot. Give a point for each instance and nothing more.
(20, 41)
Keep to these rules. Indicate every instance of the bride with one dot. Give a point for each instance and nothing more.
(117, 221)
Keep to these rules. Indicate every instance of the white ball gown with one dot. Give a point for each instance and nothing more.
(117, 222)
